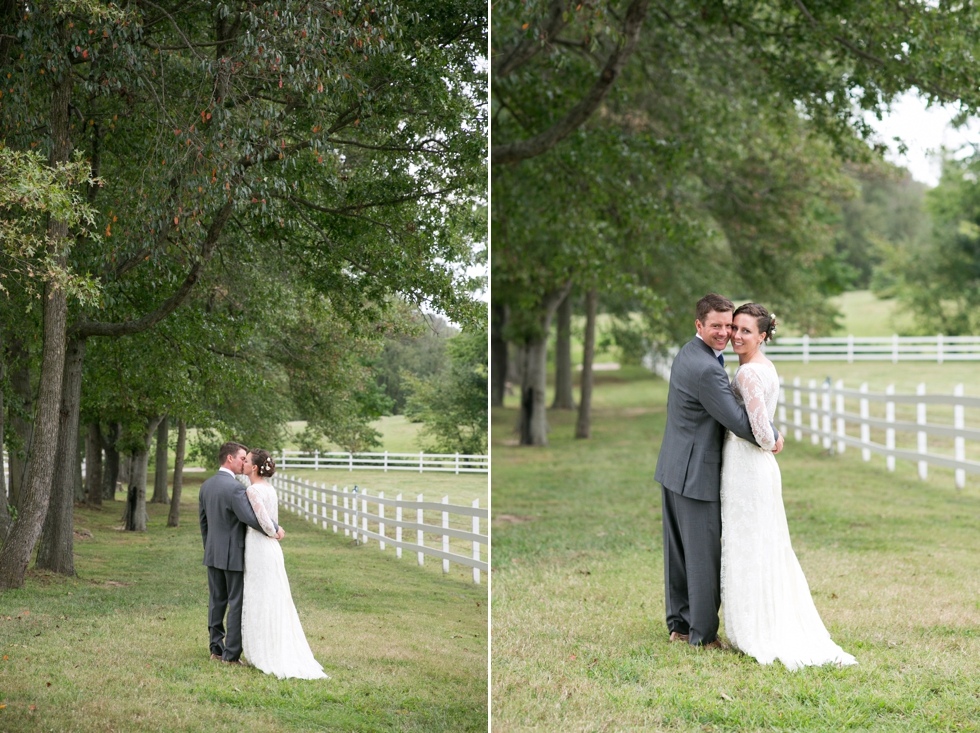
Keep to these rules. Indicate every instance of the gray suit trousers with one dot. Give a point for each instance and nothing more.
(692, 566)
(226, 590)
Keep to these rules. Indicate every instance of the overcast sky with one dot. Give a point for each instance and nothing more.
(925, 132)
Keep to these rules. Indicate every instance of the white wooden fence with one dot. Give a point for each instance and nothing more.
(850, 349)
(827, 420)
(348, 511)
(455, 462)
(888, 348)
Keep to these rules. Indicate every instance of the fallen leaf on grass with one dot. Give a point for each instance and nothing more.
(726, 697)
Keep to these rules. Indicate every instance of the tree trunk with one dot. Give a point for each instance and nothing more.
(174, 519)
(125, 468)
(160, 474)
(498, 355)
(4, 512)
(110, 476)
(564, 400)
(583, 427)
(515, 365)
(93, 465)
(56, 552)
(20, 380)
(533, 420)
(134, 517)
(36, 492)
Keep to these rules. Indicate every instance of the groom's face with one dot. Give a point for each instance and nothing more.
(716, 329)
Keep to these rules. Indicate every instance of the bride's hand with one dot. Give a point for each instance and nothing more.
(779, 445)
(280, 534)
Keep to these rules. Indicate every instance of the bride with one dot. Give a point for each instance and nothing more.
(272, 636)
(769, 613)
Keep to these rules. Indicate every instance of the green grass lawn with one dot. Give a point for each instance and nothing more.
(124, 646)
(579, 639)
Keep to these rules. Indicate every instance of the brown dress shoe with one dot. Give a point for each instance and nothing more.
(215, 657)
(716, 644)
(238, 662)
(677, 636)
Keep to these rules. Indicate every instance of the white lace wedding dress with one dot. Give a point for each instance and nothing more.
(272, 636)
(769, 613)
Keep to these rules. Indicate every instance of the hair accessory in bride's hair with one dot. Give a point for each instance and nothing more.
(772, 326)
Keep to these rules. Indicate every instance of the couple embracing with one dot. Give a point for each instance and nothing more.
(726, 540)
(246, 574)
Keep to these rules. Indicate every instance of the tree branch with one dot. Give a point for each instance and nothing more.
(544, 141)
(90, 328)
(527, 48)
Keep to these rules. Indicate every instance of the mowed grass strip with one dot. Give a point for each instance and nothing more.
(579, 640)
(124, 646)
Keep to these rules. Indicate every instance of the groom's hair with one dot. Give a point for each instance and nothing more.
(229, 449)
(713, 302)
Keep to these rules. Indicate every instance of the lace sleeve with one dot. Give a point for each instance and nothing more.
(753, 394)
(268, 526)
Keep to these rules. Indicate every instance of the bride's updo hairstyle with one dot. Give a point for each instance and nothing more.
(263, 460)
(765, 322)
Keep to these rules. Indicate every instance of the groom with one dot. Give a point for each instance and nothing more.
(700, 406)
(224, 511)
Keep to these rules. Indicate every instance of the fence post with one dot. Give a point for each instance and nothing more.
(421, 543)
(797, 413)
(398, 527)
(316, 460)
(334, 502)
(445, 537)
(476, 545)
(346, 514)
(841, 431)
(364, 519)
(920, 419)
(865, 428)
(350, 461)
(958, 423)
(814, 417)
(850, 348)
(895, 349)
(420, 461)
(939, 348)
(782, 406)
(890, 432)
(381, 518)
(806, 348)
(457, 463)
(283, 466)
(825, 413)
(386, 461)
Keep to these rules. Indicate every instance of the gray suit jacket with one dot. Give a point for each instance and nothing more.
(224, 512)
(700, 406)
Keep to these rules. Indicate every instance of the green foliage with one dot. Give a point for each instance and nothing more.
(717, 160)
(31, 192)
(415, 347)
(938, 279)
(887, 214)
(453, 403)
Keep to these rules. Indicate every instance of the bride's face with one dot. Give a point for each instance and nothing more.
(746, 338)
(248, 466)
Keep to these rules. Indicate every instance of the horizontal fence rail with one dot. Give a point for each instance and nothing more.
(938, 348)
(348, 511)
(421, 462)
(823, 417)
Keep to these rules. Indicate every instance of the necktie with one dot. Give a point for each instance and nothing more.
(721, 359)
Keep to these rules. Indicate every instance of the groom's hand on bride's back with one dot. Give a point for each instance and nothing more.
(779, 445)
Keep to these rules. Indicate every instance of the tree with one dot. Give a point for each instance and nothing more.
(295, 127)
(937, 279)
(452, 405)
